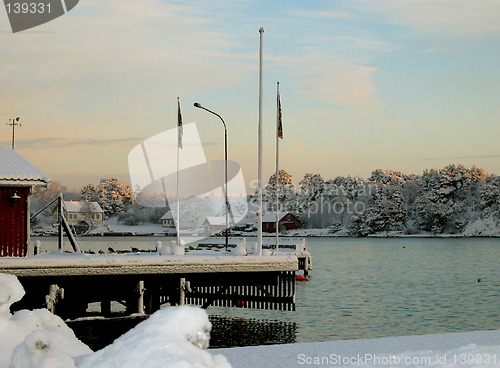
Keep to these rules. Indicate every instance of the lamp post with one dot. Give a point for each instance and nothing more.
(13, 123)
(196, 104)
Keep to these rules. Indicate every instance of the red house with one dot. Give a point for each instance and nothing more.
(285, 219)
(17, 178)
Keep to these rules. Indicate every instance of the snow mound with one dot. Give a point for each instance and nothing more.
(33, 339)
(47, 349)
(239, 251)
(11, 291)
(171, 337)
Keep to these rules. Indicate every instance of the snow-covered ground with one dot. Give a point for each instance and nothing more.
(113, 226)
(178, 336)
(466, 349)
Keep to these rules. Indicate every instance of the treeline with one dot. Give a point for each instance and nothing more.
(452, 200)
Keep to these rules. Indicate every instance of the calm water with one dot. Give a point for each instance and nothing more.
(365, 288)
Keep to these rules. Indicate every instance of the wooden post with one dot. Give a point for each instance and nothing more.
(38, 247)
(60, 211)
(51, 300)
(182, 291)
(140, 298)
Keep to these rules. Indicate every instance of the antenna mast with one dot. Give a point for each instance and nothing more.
(13, 123)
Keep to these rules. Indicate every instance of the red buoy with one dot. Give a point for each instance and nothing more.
(300, 278)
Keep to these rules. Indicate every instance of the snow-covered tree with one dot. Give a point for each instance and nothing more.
(444, 200)
(312, 201)
(112, 195)
(389, 209)
(286, 192)
(489, 196)
(359, 227)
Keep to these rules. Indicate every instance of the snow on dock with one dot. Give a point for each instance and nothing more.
(73, 264)
(65, 283)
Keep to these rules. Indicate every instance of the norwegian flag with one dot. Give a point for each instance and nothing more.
(179, 123)
(279, 117)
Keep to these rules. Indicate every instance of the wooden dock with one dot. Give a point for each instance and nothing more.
(66, 283)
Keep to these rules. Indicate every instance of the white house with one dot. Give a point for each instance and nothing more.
(82, 213)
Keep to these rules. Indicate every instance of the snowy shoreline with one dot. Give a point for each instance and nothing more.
(308, 233)
(460, 349)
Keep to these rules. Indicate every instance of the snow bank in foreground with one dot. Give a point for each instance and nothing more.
(172, 337)
(33, 338)
(461, 349)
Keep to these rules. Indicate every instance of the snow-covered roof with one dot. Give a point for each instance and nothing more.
(217, 221)
(271, 216)
(17, 171)
(167, 216)
(76, 206)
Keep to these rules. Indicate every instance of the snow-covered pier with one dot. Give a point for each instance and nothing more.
(286, 246)
(66, 283)
(291, 245)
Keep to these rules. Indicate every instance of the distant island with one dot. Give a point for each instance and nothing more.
(453, 201)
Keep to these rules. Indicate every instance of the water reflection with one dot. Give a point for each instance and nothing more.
(226, 332)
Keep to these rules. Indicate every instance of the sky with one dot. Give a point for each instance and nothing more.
(401, 85)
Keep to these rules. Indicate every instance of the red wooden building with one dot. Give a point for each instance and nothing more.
(17, 178)
(286, 220)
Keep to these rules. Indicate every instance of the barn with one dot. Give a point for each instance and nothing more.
(17, 179)
(286, 220)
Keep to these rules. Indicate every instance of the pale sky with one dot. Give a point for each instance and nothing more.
(401, 85)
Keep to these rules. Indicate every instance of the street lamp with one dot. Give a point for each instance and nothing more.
(196, 104)
(13, 123)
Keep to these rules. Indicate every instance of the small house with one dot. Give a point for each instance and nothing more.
(17, 179)
(286, 220)
(82, 213)
(167, 220)
(214, 224)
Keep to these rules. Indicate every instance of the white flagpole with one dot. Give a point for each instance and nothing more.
(177, 223)
(259, 188)
(179, 137)
(277, 163)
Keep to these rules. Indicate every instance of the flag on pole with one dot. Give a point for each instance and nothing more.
(279, 122)
(179, 123)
